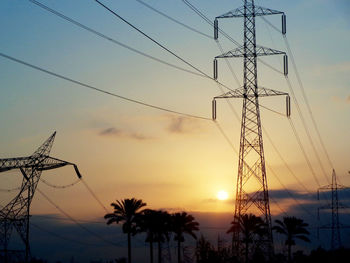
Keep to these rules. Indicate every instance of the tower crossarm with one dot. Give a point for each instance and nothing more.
(260, 51)
(19, 162)
(250, 93)
(259, 11)
(15, 215)
(53, 163)
(40, 163)
(331, 187)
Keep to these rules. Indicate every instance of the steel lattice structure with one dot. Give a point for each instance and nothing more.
(252, 189)
(16, 214)
(335, 205)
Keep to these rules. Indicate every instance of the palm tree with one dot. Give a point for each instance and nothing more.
(251, 228)
(156, 224)
(183, 223)
(146, 223)
(292, 228)
(163, 221)
(126, 211)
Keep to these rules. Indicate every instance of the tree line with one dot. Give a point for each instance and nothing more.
(160, 226)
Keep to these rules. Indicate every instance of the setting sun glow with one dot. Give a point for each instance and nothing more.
(222, 195)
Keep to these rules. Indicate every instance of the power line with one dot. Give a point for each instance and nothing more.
(284, 161)
(303, 151)
(75, 221)
(279, 207)
(289, 193)
(98, 89)
(306, 100)
(94, 195)
(226, 137)
(271, 25)
(303, 91)
(205, 18)
(174, 20)
(135, 50)
(296, 134)
(307, 105)
(60, 186)
(305, 127)
(158, 43)
(114, 41)
(228, 64)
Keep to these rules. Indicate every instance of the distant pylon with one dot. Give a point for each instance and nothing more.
(252, 189)
(16, 213)
(335, 205)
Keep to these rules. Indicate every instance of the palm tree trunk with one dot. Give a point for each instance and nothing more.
(289, 253)
(159, 252)
(129, 247)
(246, 252)
(151, 250)
(179, 251)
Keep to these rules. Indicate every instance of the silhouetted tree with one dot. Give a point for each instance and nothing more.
(251, 227)
(183, 223)
(126, 211)
(156, 225)
(292, 228)
(203, 250)
(146, 223)
(206, 252)
(163, 220)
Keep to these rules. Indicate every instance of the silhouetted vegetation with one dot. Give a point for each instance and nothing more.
(206, 252)
(293, 228)
(126, 211)
(183, 223)
(252, 229)
(159, 227)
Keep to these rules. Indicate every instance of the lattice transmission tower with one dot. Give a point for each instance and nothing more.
(252, 194)
(334, 206)
(15, 215)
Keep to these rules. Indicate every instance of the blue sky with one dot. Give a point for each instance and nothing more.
(156, 156)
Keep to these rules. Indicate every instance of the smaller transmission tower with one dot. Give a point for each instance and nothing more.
(335, 205)
(15, 215)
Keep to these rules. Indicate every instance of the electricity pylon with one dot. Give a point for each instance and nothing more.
(334, 206)
(252, 189)
(15, 215)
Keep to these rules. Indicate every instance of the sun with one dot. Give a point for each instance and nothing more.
(222, 195)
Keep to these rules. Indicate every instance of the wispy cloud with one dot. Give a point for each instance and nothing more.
(182, 125)
(112, 131)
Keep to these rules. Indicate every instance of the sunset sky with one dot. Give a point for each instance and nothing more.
(171, 162)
